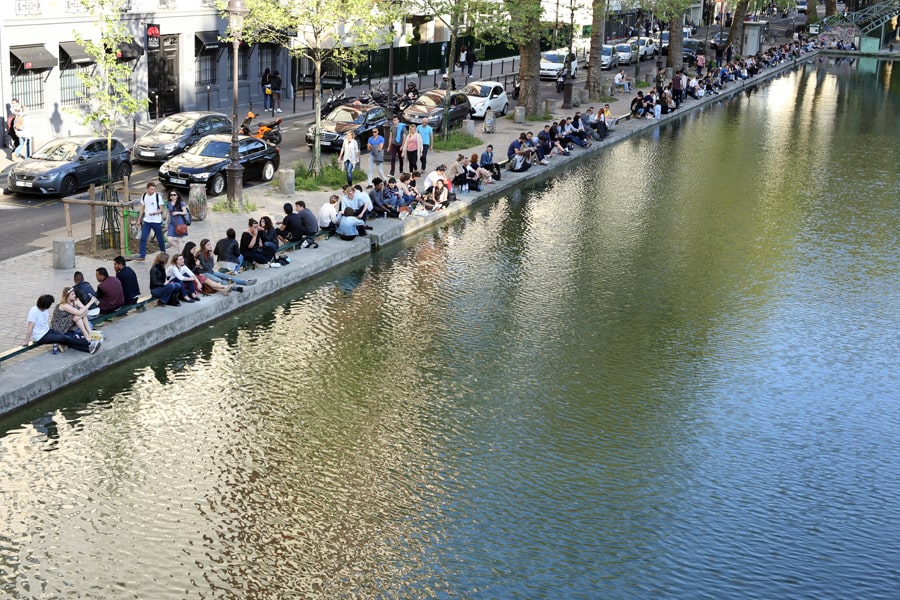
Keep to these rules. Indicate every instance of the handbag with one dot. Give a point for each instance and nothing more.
(181, 229)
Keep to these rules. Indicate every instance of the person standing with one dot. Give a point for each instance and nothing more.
(349, 155)
(375, 146)
(397, 133)
(701, 63)
(470, 60)
(425, 132)
(23, 132)
(411, 146)
(150, 215)
(266, 83)
(276, 91)
(11, 124)
(177, 229)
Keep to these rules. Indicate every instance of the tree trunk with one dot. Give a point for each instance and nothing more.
(676, 43)
(736, 33)
(317, 109)
(594, 83)
(830, 7)
(529, 75)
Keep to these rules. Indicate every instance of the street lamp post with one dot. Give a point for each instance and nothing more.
(236, 10)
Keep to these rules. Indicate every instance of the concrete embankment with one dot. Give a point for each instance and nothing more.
(39, 373)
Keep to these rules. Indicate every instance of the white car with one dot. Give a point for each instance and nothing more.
(487, 94)
(554, 62)
(628, 53)
(646, 47)
(610, 57)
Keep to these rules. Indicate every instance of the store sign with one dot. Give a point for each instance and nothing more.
(152, 36)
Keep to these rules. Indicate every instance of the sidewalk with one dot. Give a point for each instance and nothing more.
(38, 373)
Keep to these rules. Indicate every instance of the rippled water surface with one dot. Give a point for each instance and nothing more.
(671, 372)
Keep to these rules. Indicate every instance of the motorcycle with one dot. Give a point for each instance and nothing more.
(560, 81)
(335, 101)
(269, 131)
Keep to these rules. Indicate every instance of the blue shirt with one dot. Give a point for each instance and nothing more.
(347, 226)
(425, 131)
(487, 158)
(401, 130)
(376, 141)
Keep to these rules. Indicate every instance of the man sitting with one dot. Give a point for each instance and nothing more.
(290, 228)
(128, 278)
(109, 292)
(309, 224)
(621, 81)
(519, 154)
(637, 105)
(228, 252)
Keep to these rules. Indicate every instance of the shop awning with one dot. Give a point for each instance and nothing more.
(34, 57)
(76, 53)
(129, 51)
(208, 40)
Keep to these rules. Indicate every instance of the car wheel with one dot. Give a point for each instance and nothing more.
(216, 184)
(268, 171)
(69, 186)
(505, 110)
(123, 171)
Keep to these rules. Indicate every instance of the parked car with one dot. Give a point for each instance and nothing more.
(610, 57)
(719, 38)
(628, 53)
(205, 162)
(360, 119)
(486, 94)
(802, 6)
(646, 46)
(65, 165)
(177, 132)
(690, 49)
(554, 62)
(431, 105)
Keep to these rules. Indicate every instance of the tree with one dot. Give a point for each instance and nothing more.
(736, 33)
(598, 37)
(326, 30)
(107, 90)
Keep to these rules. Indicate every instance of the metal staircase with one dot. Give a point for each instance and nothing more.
(866, 20)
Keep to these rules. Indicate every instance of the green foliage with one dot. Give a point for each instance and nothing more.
(222, 206)
(330, 177)
(457, 140)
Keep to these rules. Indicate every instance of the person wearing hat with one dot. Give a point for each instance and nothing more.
(444, 80)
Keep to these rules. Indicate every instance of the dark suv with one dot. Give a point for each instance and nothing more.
(361, 120)
(691, 49)
(177, 132)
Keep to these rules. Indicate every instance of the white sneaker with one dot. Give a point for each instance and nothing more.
(274, 265)
(277, 110)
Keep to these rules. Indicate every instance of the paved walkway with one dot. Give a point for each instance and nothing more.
(37, 373)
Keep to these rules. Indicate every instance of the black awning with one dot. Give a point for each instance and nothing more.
(207, 40)
(129, 51)
(35, 57)
(76, 53)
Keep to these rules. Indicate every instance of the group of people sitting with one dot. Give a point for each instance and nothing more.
(559, 138)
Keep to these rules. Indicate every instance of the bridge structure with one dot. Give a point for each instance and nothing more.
(882, 18)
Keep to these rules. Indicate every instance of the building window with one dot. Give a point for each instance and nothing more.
(268, 54)
(72, 90)
(25, 8)
(243, 63)
(167, 3)
(28, 87)
(75, 6)
(208, 3)
(206, 67)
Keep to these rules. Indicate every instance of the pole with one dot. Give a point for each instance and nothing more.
(391, 104)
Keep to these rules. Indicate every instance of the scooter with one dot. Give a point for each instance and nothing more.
(516, 87)
(335, 101)
(269, 131)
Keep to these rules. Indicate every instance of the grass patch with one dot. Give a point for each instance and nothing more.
(456, 141)
(532, 118)
(331, 177)
(222, 206)
(642, 84)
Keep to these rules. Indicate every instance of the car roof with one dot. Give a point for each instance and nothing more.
(485, 83)
(196, 113)
(82, 139)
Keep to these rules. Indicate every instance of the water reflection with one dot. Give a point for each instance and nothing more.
(670, 372)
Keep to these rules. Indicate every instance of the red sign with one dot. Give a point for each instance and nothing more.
(152, 36)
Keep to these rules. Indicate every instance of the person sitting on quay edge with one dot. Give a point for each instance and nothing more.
(228, 251)
(290, 228)
(166, 292)
(184, 268)
(456, 174)
(394, 199)
(482, 175)
(519, 153)
(350, 226)
(85, 292)
(131, 290)
(538, 148)
(109, 292)
(206, 266)
(434, 176)
(269, 234)
(407, 188)
(71, 314)
(637, 105)
(252, 248)
(309, 224)
(39, 331)
(438, 198)
(355, 200)
(328, 216)
(380, 206)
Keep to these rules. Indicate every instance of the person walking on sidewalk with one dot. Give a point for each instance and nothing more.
(375, 146)
(23, 132)
(349, 155)
(397, 133)
(151, 217)
(276, 91)
(425, 132)
(266, 84)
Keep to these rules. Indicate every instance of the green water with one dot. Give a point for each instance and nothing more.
(669, 372)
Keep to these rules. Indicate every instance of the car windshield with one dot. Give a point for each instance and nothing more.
(174, 124)
(479, 90)
(553, 57)
(211, 147)
(431, 99)
(59, 150)
(664, 36)
(347, 114)
(607, 51)
(623, 48)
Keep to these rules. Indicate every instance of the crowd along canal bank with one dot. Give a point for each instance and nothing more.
(39, 373)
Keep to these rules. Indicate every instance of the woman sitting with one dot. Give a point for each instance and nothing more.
(190, 261)
(70, 314)
(269, 234)
(476, 171)
(177, 271)
(166, 292)
(206, 265)
(350, 226)
(438, 198)
(456, 174)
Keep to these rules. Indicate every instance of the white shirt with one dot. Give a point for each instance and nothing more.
(41, 320)
(431, 178)
(153, 205)
(327, 215)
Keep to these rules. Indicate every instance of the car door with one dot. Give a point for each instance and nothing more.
(91, 165)
(251, 154)
(202, 127)
(497, 99)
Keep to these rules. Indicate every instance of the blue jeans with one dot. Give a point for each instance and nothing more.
(23, 150)
(267, 99)
(145, 233)
(67, 339)
(225, 279)
(164, 293)
(348, 168)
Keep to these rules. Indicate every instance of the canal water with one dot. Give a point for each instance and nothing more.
(669, 372)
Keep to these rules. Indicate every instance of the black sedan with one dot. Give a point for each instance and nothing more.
(177, 132)
(205, 162)
(430, 105)
(65, 165)
(360, 119)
